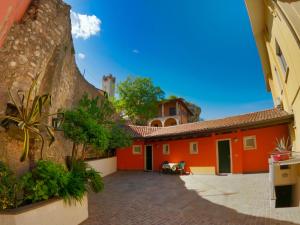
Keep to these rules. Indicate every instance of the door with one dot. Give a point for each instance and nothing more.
(224, 156)
(148, 158)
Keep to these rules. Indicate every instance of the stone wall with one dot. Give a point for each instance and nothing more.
(10, 12)
(41, 43)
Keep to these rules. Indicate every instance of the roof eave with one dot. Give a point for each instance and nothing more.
(257, 20)
(276, 121)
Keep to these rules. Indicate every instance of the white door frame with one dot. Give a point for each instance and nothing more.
(145, 157)
(217, 153)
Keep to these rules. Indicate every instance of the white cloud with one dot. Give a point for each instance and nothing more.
(136, 51)
(84, 26)
(81, 55)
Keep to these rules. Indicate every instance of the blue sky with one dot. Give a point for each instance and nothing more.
(203, 51)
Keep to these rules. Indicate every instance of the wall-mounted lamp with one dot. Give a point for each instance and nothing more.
(57, 122)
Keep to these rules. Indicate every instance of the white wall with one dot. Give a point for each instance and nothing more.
(104, 166)
(52, 212)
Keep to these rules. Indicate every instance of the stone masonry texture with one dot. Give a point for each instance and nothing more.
(41, 43)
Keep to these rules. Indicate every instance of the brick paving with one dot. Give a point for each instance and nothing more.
(138, 198)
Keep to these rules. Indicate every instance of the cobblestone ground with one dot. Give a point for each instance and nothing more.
(138, 198)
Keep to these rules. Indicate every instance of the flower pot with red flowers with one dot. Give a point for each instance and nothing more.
(282, 151)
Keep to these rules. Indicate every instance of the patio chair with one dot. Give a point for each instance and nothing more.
(180, 167)
(162, 169)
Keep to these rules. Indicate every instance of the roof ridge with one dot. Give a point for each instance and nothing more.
(266, 115)
(143, 126)
(221, 118)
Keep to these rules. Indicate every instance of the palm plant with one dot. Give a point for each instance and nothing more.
(30, 116)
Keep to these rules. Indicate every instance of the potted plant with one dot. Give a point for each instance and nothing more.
(282, 151)
(49, 190)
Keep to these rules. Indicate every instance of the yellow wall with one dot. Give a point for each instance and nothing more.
(279, 22)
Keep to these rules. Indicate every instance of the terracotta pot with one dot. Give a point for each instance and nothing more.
(281, 155)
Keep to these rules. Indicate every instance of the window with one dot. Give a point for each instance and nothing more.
(249, 142)
(278, 81)
(137, 149)
(172, 111)
(193, 148)
(166, 149)
(281, 58)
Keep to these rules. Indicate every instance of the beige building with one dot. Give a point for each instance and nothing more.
(170, 113)
(276, 28)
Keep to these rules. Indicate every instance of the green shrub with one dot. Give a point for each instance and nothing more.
(46, 180)
(84, 178)
(8, 188)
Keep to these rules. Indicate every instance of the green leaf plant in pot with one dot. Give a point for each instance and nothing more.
(28, 115)
(282, 150)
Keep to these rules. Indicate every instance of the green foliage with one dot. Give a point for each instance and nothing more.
(101, 110)
(119, 138)
(82, 179)
(138, 99)
(29, 116)
(91, 178)
(82, 128)
(45, 181)
(50, 179)
(92, 123)
(172, 97)
(74, 125)
(8, 188)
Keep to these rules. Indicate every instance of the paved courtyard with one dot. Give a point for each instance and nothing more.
(138, 198)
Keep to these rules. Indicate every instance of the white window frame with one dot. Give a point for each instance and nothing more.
(245, 142)
(164, 149)
(191, 148)
(134, 152)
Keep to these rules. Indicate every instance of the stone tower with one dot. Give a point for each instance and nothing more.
(108, 84)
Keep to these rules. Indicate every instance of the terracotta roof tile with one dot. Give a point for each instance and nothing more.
(249, 119)
(140, 131)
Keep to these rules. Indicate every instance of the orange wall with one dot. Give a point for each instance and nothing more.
(10, 12)
(266, 141)
(126, 160)
(243, 161)
(179, 151)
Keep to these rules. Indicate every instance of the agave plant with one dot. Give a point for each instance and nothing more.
(282, 144)
(30, 116)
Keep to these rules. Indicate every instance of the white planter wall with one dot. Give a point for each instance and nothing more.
(52, 212)
(104, 166)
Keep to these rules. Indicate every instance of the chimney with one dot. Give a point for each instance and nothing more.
(108, 84)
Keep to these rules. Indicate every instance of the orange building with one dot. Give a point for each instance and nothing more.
(11, 11)
(238, 144)
(170, 113)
